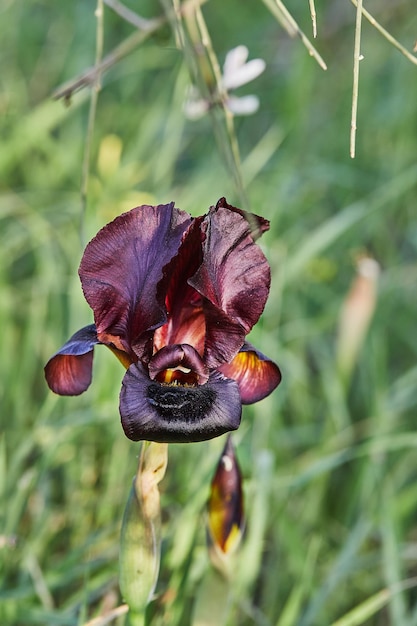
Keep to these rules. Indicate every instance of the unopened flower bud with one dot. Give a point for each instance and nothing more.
(225, 505)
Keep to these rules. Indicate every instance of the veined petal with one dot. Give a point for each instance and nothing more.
(256, 375)
(121, 268)
(234, 280)
(68, 372)
(174, 413)
(257, 224)
(186, 323)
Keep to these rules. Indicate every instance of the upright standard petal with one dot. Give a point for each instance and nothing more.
(177, 413)
(256, 375)
(233, 279)
(257, 224)
(121, 268)
(186, 322)
(68, 372)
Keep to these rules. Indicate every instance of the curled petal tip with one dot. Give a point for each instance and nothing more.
(69, 375)
(69, 371)
(257, 224)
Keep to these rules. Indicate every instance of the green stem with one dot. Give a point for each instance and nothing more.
(91, 119)
(133, 618)
(140, 537)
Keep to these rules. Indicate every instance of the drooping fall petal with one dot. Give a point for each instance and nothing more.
(234, 280)
(120, 271)
(256, 375)
(172, 413)
(225, 505)
(68, 372)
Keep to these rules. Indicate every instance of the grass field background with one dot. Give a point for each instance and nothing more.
(329, 460)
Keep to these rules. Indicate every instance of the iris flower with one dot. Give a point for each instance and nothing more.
(174, 298)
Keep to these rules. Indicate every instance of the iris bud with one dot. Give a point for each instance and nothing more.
(225, 506)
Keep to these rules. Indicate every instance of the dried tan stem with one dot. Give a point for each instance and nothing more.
(355, 91)
(313, 17)
(280, 11)
(386, 34)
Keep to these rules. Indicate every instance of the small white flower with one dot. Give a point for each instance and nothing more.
(194, 106)
(236, 72)
(245, 105)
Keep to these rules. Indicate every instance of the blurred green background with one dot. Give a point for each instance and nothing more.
(330, 459)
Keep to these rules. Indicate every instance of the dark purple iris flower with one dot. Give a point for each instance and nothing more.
(174, 298)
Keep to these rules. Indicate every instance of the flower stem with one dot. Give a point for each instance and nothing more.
(140, 539)
(135, 619)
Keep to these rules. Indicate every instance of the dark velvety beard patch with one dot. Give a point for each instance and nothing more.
(175, 402)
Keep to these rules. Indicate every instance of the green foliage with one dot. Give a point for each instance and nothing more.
(329, 464)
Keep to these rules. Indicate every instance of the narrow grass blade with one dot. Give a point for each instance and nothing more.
(340, 570)
(360, 614)
(293, 606)
(336, 226)
(213, 600)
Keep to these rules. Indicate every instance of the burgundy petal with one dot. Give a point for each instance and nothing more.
(234, 280)
(257, 224)
(121, 268)
(174, 356)
(69, 371)
(256, 375)
(186, 323)
(174, 413)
